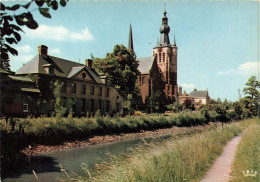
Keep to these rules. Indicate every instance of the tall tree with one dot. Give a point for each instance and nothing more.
(252, 95)
(11, 21)
(121, 68)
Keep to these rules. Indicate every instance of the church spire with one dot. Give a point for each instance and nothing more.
(130, 40)
(164, 30)
(174, 41)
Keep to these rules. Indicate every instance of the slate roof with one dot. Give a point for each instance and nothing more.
(62, 67)
(75, 70)
(145, 64)
(199, 93)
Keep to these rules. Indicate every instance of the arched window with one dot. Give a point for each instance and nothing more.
(156, 57)
(163, 57)
(144, 80)
(160, 57)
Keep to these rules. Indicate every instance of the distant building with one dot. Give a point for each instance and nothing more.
(79, 82)
(197, 97)
(159, 72)
(183, 97)
(201, 97)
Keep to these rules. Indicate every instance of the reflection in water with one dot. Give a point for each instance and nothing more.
(47, 166)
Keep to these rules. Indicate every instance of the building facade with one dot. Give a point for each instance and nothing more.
(159, 72)
(18, 95)
(196, 97)
(79, 82)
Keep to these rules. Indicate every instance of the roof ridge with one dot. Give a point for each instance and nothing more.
(67, 60)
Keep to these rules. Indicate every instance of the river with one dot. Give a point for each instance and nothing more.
(47, 165)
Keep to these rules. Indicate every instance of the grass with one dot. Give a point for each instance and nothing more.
(176, 159)
(247, 156)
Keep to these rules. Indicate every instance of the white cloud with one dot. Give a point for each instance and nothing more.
(54, 51)
(59, 33)
(248, 68)
(24, 49)
(187, 85)
(84, 35)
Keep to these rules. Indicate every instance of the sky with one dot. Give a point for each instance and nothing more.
(218, 41)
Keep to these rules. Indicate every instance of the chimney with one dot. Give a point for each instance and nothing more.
(43, 50)
(180, 90)
(88, 63)
(103, 79)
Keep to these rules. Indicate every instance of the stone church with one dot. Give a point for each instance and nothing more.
(159, 72)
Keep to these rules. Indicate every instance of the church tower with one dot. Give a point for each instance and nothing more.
(166, 56)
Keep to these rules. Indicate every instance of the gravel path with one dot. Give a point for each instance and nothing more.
(221, 168)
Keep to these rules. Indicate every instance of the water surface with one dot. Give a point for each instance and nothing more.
(47, 166)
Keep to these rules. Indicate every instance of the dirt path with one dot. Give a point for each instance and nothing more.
(221, 168)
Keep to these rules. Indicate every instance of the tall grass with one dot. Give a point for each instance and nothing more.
(248, 156)
(176, 159)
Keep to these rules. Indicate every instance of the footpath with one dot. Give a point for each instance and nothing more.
(220, 171)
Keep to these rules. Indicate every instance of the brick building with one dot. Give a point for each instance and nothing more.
(90, 91)
(159, 72)
(18, 95)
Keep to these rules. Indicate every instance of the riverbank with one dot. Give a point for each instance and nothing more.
(185, 158)
(102, 139)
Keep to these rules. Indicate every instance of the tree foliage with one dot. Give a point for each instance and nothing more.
(133, 101)
(252, 95)
(156, 102)
(121, 68)
(13, 18)
(61, 106)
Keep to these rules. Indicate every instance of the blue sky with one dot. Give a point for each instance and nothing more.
(217, 41)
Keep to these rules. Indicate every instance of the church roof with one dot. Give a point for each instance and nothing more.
(62, 67)
(145, 64)
(199, 93)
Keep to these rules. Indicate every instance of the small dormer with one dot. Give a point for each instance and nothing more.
(48, 68)
(103, 79)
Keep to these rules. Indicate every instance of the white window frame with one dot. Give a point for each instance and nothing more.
(27, 107)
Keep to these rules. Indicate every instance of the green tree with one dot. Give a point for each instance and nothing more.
(175, 107)
(156, 102)
(12, 18)
(252, 93)
(62, 106)
(187, 104)
(121, 68)
(133, 101)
